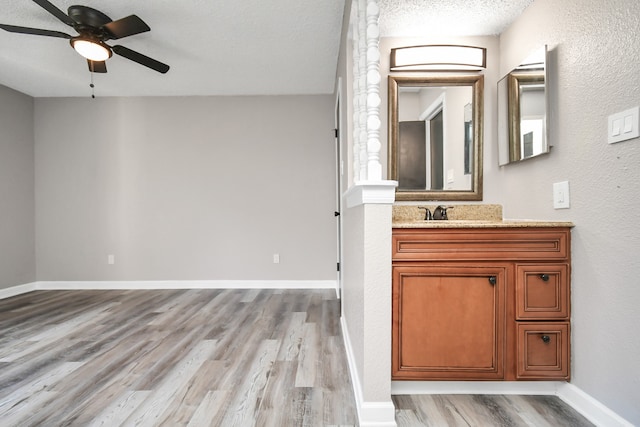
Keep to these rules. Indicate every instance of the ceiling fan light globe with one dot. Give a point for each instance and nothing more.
(92, 50)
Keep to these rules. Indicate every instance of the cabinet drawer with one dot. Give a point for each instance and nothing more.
(542, 291)
(459, 244)
(543, 350)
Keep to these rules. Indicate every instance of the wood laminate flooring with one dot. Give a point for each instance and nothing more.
(456, 410)
(206, 358)
(174, 358)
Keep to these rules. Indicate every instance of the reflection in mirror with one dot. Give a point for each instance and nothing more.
(435, 137)
(522, 110)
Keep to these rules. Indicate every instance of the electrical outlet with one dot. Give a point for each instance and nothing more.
(111, 259)
(276, 258)
(561, 195)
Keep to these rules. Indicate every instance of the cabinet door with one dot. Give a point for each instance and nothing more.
(448, 322)
(542, 291)
(543, 350)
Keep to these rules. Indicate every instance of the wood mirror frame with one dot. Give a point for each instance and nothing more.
(515, 81)
(532, 76)
(476, 83)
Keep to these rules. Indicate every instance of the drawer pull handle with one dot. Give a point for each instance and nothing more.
(544, 277)
(492, 280)
(545, 338)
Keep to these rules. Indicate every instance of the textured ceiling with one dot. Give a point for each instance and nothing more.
(412, 18)
(222, 47)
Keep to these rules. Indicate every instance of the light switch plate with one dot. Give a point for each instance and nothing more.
(623, 126)
(561, 195)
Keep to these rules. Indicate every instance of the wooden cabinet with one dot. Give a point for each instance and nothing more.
(481, 304)
(452, 321)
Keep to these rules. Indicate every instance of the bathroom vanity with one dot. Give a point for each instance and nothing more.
(480, 299)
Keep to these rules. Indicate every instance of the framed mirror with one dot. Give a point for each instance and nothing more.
(523, 132)
(435, 137)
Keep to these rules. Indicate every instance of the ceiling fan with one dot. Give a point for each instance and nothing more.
(94, 29)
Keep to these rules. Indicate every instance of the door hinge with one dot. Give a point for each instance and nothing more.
(338, 266)
(336, 132)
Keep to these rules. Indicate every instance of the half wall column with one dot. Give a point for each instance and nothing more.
(362, 85)
(366, 321)
(366, 92)
(356, 91)
(374, 168)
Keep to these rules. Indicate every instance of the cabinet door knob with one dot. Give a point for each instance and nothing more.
(545, 338)
(544, 277)
(493, 280)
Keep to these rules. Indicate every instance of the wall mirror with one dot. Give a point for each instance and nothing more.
(523, 130)
(435, 137)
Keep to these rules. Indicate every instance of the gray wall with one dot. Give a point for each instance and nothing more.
(17, 253)
(194, 188)
(598, 69)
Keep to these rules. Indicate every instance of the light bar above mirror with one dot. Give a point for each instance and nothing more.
(438, 58)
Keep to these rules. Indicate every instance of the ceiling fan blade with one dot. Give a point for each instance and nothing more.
(97, 66)
(34, 31)
(126, 27)
(141, 59)
(55, 12)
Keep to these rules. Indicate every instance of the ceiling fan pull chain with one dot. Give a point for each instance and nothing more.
(92, 86)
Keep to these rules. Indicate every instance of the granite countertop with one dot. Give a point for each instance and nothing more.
(480, 224)
(465, 216)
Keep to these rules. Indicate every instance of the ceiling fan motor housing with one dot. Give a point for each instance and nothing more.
(87, 17)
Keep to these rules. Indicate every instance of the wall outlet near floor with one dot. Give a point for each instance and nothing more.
(276, 258)
(111, 259)
(561, 195)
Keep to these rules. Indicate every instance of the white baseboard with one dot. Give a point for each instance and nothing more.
(168, 284)
(378, 414)
(189, 284)
(590, 408)
(17, 290)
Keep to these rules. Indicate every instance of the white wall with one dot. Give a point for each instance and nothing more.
(366, 303)
(596, 45)
(354, 285)
(194, 188)
(17, 250)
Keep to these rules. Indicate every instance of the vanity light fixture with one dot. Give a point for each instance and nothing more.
(438, 58)
(94, 50)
